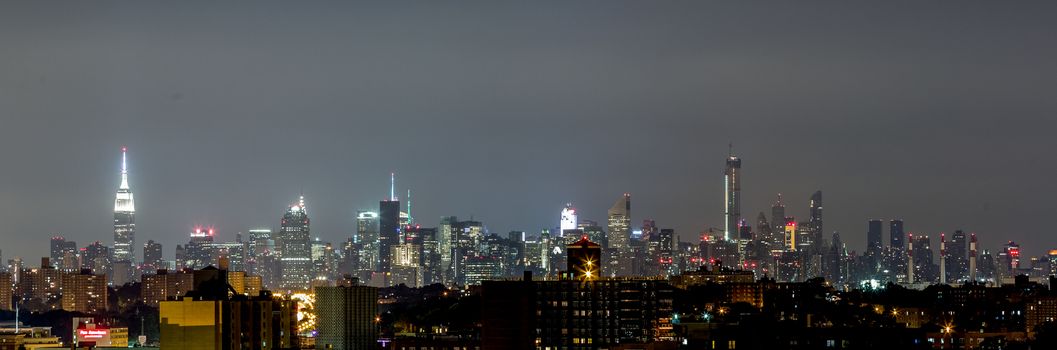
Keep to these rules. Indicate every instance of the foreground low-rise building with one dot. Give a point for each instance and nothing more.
(215, 316)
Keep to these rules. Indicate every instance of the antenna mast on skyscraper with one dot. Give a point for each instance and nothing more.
(392, 186)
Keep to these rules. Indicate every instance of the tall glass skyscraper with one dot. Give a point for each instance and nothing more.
(124, 218)
(815, 222)
(620, 223)
(778, 221)
(897, 235)
(732, 195)
(296, 259)
(619, 249)
(873, 238)
(388, 232)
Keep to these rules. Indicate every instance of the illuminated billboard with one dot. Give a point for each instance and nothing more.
(103, 336)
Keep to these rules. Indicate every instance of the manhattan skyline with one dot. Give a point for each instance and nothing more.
(943, 121)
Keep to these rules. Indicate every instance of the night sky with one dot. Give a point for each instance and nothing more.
(942, 114)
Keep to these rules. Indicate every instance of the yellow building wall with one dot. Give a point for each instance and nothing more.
(190, 324)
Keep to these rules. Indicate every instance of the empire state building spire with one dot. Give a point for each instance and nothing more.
(124, 217)
(124, 169)
(124, 201)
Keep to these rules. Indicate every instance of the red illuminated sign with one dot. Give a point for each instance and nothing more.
(92, 333)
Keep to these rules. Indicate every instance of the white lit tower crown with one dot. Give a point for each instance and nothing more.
(568, 219)
(124, 217)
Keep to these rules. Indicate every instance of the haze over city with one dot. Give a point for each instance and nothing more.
(941, 116)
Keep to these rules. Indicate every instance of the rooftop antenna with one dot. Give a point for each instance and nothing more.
(124, 169)
(730, 149)
(392, 186)
(410, 219)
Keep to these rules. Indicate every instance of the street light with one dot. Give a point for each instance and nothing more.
(947, 331)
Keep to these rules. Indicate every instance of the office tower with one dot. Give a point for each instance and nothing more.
(6, 281)
(152, 257)
(445, 246)
(805, 238)
(943, 258)
(164, 285)
(732, 195)
(593, 232)
(58, 244)
(1051, 255)
(70, 257)
(296, 254)
(790, 233)
(815, 222)
(620, 223)
(745, 235)
(895, 231)
(584, 261)
(345, 317)
(432, 270)
(924, 266)
(545, 251)
(124, 218)
(873, 239)
(1011, 259)
(666, 240)
(619, 227)
(837, 273)
(197, 253)
(764, 230)
(209, 318)
(261, 242)
(778, 220)
(96, 257)
(84, 292)
(406, 266)
(367, 237)
(389, 231)
(972, 258)
(532, 258)
(324, 260)
(476, 269)
(233, 252)
(910, 258)
(957, 257)
(466, 241)
(367, 227)
(568, 219)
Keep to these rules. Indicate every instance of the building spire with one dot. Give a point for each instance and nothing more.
(410, 219)
(730, 149)
(124, 169)
(392, 186)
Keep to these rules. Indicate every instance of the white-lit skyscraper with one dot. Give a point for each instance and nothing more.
(367, 237)
(124, 218)
(732, 196)
(620, 222)
(296, 258)
(568, 219)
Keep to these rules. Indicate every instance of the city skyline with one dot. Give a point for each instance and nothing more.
(941, 121)
(635, 222)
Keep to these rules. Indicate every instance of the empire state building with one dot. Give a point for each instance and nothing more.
(124, 218)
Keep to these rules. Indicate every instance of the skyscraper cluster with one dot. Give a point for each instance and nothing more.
(388, 247)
